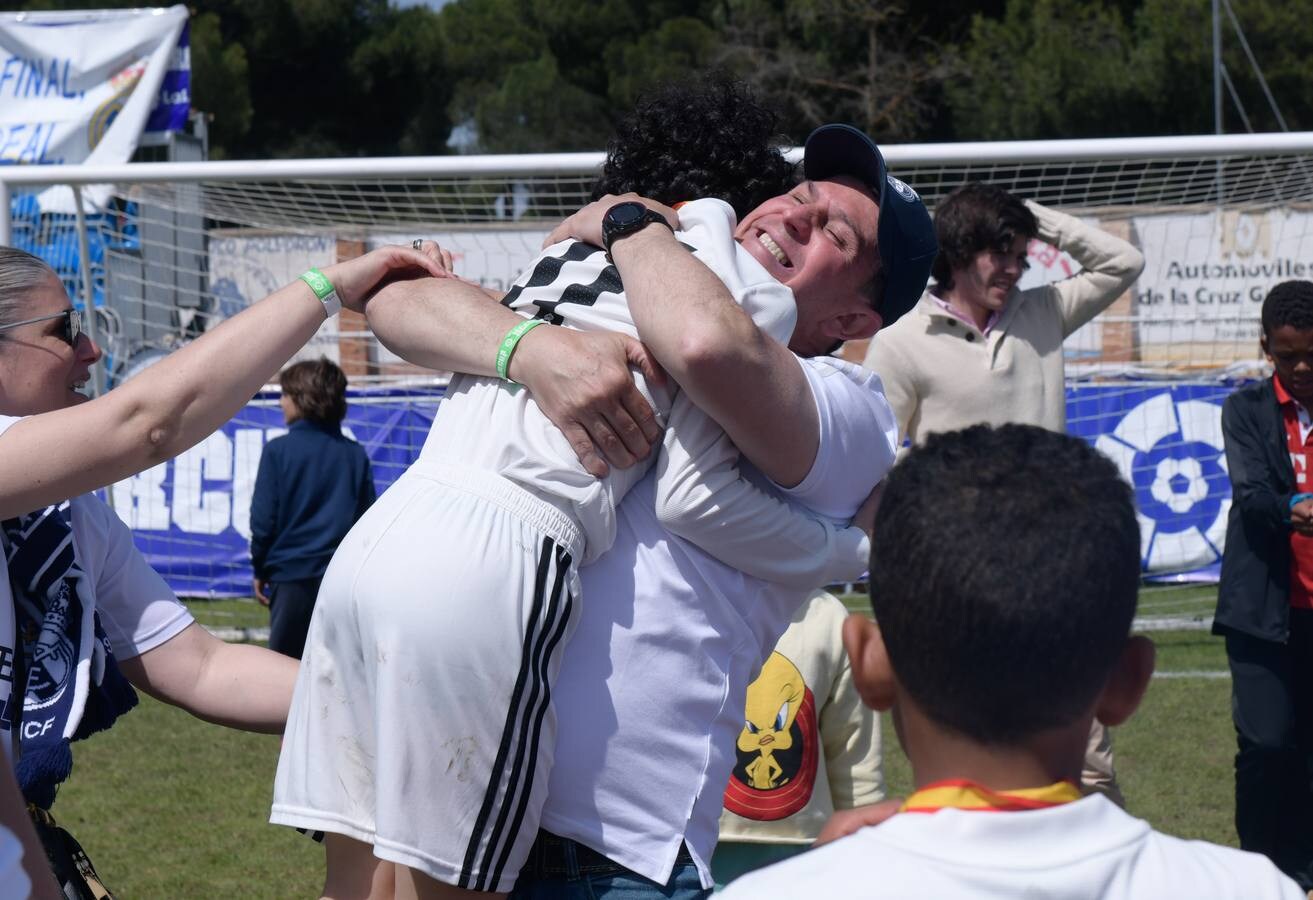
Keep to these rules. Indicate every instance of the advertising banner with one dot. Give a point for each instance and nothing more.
(81, 87)
(1208, 272)
(1167, 441)
(191, 516)
(246, 267)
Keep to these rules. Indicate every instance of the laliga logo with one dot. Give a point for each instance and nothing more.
(1171, 452)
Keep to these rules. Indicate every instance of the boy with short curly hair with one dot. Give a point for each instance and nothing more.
(994, 659)
(1265, 599)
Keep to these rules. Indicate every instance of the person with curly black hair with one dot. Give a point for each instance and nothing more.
(665, 150)
(454, 596)
(1265, 598)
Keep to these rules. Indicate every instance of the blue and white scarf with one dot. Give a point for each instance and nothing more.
(71, 686)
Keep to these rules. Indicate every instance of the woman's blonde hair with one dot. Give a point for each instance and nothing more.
(21, 273)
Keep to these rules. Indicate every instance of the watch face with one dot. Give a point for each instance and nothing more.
(625, 214)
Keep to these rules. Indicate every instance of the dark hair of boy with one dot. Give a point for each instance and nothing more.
(1288, 303)
(973, 218)
(1004, 574)
(318, 389)
(696, 138)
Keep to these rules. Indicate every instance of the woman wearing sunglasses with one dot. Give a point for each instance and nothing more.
(83, 618)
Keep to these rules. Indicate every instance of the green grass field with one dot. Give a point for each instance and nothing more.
(168, 806)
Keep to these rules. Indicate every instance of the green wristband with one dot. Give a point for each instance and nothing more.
(508, 344)
(324, 290)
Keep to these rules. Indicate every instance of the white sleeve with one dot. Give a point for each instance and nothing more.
(707, 228)
(702, 496)
(137, 609)
(1109, 266)
(858, 439)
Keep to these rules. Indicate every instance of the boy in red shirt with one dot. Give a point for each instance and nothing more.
(1265, 599)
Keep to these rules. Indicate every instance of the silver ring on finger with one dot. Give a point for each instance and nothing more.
(417, 244)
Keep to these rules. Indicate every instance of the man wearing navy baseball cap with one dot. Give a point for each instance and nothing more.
(853, 243)
(669, 635)
(651, 690)
(905, 235)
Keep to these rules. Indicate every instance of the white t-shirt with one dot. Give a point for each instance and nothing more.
(137, 609)
(1086, 849)
(489, 423)
(651, 695)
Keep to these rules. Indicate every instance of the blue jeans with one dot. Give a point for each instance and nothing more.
(577, 873)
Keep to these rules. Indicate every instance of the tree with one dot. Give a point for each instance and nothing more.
(1047, 70)
(542, 75)
(220, 84)
(1174, 41)
(836, 60)
(535, 110)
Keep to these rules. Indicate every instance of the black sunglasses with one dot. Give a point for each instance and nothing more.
(72, 324)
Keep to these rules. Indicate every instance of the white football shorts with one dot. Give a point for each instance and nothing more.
(422, 720)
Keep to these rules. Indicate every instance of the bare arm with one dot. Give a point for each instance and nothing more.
(580, 381)
(441, 323)
(238, 685)
(181, 399)
(731, 369)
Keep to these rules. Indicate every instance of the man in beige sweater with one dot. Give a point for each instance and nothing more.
(976, 349)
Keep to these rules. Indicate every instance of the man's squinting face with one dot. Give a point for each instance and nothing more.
(39, 371)
(990, 276)
(819, 240)
(1290, 350)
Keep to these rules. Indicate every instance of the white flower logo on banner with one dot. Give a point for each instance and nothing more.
(1173, 473)
(1164, 448)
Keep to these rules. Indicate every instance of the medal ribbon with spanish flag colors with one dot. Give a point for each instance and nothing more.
(961, 794)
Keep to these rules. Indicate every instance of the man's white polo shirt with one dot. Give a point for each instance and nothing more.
(651, 693)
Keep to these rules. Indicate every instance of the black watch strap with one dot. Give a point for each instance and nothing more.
(625, 219)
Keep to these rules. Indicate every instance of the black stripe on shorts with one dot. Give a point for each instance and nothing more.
(542, 633)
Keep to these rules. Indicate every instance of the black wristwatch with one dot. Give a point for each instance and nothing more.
(626, 218)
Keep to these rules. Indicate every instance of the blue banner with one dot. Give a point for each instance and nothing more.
(1167, 441)
(191, 516)
(173, 104)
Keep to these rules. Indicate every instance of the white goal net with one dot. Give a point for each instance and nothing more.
(1219, 221)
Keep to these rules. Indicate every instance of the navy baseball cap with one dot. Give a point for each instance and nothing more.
(905, 234)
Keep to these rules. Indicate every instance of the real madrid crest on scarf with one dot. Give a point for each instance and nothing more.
(59, 656)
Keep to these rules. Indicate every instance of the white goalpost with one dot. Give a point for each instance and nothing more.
(180, 246)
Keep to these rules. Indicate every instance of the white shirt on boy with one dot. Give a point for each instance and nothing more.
(1086, 849)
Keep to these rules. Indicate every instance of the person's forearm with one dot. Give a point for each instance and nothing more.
(733, 371)
(245, 686)
(157, 415)
(683, 312)
(1109, 265)
(238, 685)
(1253, 484)
(702, 496)
(441, 323)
